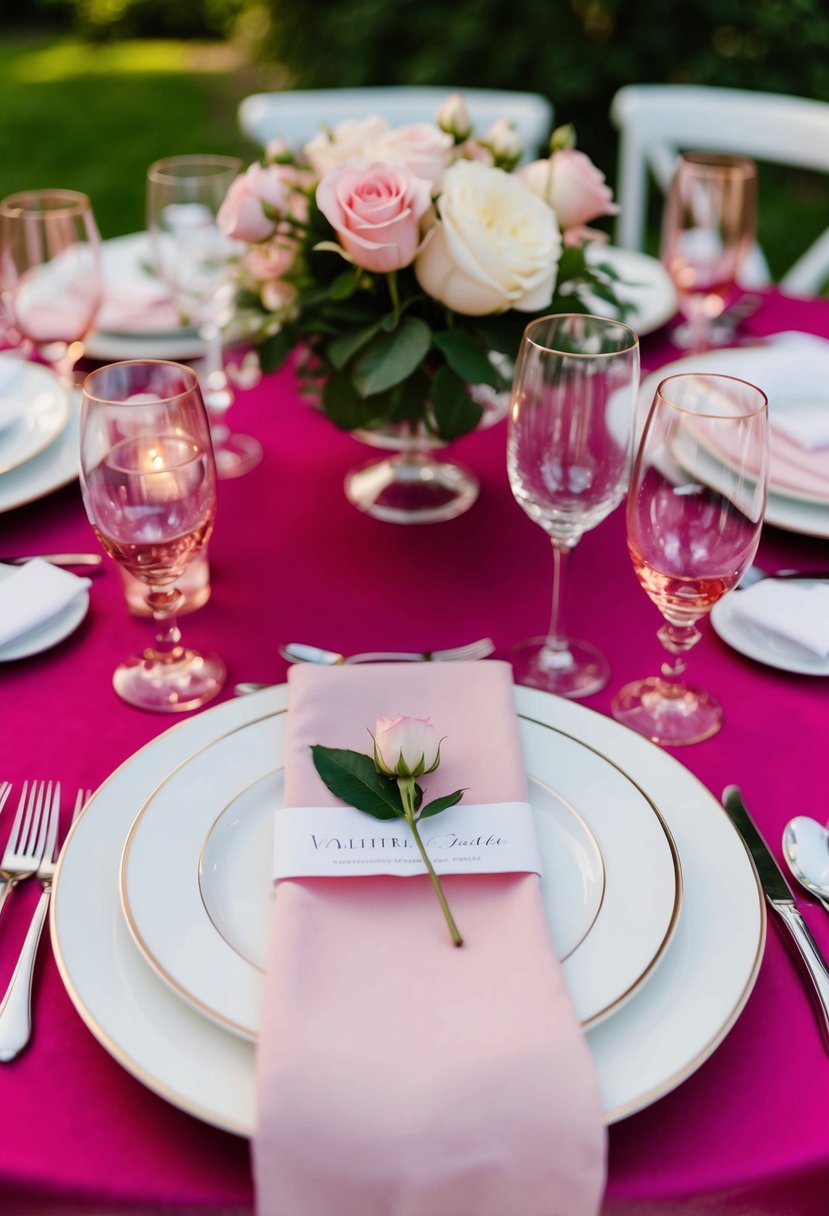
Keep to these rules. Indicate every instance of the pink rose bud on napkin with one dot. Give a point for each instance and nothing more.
(242, 216)
(406, 747)
(375, 210)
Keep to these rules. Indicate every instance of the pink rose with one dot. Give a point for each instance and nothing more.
(242, 215)
(374, 209)
(270, 260)
(406, 747)
(572, 185)
(424, 148)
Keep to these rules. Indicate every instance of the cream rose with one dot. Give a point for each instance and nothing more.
(495, 246)
(335, 145)
(375, 211)
(423, 148)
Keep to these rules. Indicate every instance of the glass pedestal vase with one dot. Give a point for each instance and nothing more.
(414, 485)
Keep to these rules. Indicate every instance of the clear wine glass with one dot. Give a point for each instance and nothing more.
(709, 225)
(694, 513)
(196, 261)
(50, 271)
(569, 452)
(149, 487)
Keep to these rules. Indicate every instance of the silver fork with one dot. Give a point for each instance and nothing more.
(28, 838)
(299, 652)
(16, 1006)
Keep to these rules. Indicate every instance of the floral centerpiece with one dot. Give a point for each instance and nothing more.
(408, 261)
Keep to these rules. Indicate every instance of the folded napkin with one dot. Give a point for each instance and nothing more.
(806, 424)
(397, 1075)
(789, 611)
(135, 299)
(34, 593)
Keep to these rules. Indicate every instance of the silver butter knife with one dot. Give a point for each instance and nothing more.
(781, 900)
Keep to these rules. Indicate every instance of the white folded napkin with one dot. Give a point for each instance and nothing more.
(34, 593)
(789, 611)
(806, 423)
(135, 299)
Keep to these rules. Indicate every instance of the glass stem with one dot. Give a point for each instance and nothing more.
(164, 605)
(215, 387)
(677, 640)
(556, 634)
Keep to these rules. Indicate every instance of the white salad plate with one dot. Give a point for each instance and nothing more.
(121, 334)
(611, 878)
(54, 468)
(643, 282)
(48, 633)
(37, 408)
(668, 1028)
(788, 371)
(761, 644)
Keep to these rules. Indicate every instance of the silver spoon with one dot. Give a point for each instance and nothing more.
(806, 849)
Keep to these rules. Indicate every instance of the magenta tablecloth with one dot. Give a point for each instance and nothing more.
(292, 560)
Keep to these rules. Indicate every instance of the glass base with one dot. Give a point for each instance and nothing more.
(412, 488)
(578, 671)
(671, 714)
(175, 685)
(236, 455)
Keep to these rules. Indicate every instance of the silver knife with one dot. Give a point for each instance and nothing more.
(781, 900)
(91, 560)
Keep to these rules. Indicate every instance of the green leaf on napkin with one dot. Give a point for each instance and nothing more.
(352, 777)
(441, 804)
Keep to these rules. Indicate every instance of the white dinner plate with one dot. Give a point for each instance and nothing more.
(47, 633)
(785, 371)
(656, 1040)
(612, 938)
(126, 264)
(643, 282)
(55, 467)
(40, 407)
(757, 643)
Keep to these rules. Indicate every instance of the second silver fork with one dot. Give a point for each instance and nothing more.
(27, 839)
(16, 1006)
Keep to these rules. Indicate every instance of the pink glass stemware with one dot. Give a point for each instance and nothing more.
(694, 514)
(149, 487)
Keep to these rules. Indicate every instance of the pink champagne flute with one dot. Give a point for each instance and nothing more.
(569, 452)
(709, 225)
(51, 272)
(694, 514)
(149, 487)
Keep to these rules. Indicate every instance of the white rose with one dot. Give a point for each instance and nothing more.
(504, 140)
(420, 146)
(406, 747)
(453, 116)
(495, 246)
(335, 145)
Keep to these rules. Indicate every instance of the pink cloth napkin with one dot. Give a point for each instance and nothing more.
(397, 1075)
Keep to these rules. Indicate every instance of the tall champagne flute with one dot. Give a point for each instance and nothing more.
(694, 513)
(709, 225)
(50, 271)
(196, 260)
(149, 488)
(569, 450)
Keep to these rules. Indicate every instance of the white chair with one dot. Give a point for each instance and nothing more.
(658, 121)
(299, 114)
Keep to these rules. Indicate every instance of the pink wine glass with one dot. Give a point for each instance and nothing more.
(51, 272)
(149, 487)
(694, 513)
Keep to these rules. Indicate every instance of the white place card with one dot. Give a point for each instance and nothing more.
(340, 841)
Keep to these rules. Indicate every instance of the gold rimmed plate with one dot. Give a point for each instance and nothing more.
(37, 408)
(650, 1044)
(611, 880)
